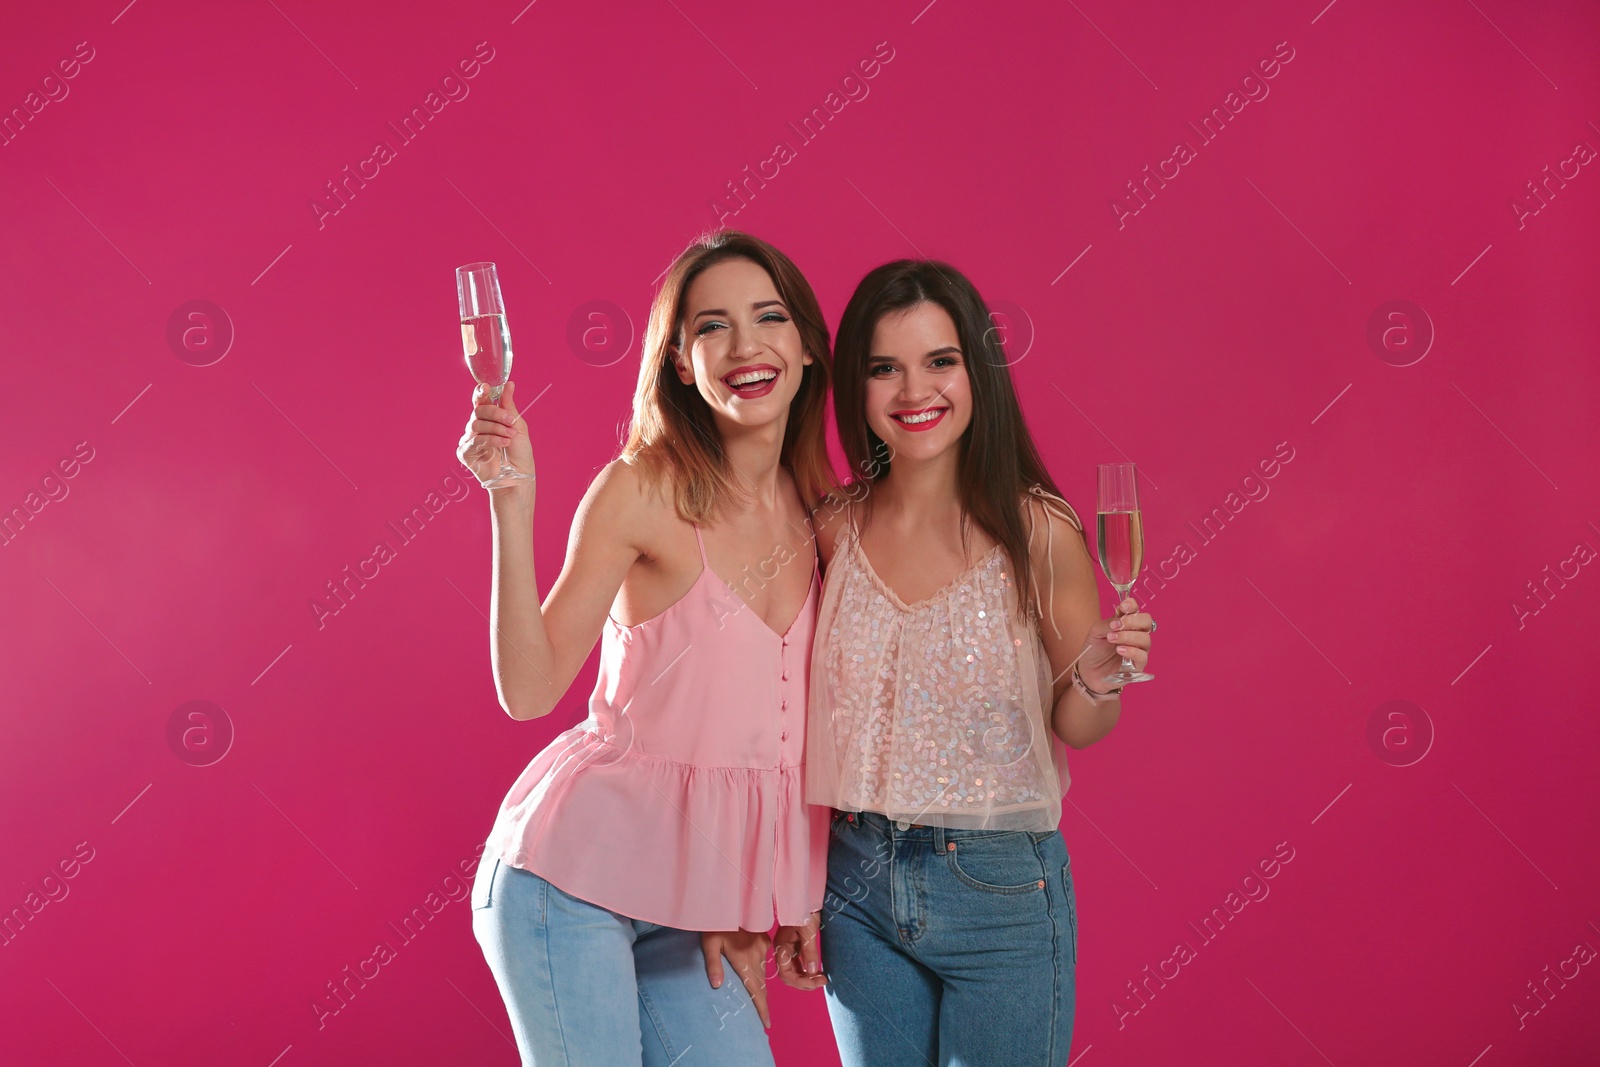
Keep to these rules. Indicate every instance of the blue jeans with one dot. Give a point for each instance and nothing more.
(586, 987)
(948, 948)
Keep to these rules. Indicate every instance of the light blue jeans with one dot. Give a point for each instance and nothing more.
(948, 948)
(586, 987)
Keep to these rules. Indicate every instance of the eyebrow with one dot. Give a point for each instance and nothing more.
(753, 307)
(946, 350)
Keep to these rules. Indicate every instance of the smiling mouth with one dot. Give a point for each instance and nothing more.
(918, 420)
(751, 381)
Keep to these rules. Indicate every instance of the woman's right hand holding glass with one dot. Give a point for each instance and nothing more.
(492, 427)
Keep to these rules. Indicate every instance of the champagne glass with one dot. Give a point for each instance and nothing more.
(1121, 534)
(487, 342)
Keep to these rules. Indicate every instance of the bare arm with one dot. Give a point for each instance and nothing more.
(1066, 578)
(537, 649)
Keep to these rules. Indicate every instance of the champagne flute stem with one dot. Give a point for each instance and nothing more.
(1122, 594)
(506, 470)
(505, 459)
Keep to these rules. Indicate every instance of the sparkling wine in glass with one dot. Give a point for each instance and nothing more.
(1121, 535)
(486, 340)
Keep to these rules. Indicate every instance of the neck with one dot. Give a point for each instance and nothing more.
(918, 491)
(754, 456)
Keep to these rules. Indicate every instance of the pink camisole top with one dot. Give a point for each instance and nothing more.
(678, 801)
(936, 712)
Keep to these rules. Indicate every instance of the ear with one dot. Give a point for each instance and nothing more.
(805, 359)
(681, 365)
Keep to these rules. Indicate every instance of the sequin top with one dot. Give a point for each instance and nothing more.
(935, 712)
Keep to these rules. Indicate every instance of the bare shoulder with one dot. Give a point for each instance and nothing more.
(620, 487)
(620, 505)
(1066, 591)
(1056, 528)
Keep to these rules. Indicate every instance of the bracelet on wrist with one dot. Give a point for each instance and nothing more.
(1094, 697)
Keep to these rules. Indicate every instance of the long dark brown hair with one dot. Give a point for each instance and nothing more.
(673, 436)
(999, 462)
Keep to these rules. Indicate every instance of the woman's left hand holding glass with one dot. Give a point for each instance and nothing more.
(1127, 633)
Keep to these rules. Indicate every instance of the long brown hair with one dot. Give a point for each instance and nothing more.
(999, 461)
(673, 436)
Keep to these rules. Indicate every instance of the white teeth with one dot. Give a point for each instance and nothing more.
(926, 416)
(751, 377)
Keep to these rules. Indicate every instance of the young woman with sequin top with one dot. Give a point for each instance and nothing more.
(668, 830)
(958, 651)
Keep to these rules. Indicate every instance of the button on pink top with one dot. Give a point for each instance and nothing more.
(679, 801)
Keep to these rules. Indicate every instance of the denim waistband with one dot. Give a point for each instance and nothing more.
(883, 822)
(914, 831)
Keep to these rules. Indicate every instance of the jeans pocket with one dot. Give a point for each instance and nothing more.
(996, 862)
(483, 882)
(1071, 908)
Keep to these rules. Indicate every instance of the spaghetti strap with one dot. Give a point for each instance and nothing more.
(1047, 499)
(1057, 505)
(701, 542)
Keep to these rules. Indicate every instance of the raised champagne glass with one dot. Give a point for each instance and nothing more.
(1121, 535)
(486, 340)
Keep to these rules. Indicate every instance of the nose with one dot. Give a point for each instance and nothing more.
(745, 343)
(916, 388)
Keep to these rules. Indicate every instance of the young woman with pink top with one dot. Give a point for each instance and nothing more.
(959, 650)
(668, 829)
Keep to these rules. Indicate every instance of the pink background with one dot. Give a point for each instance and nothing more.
(1384, 562)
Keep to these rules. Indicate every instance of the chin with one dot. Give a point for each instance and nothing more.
(923, 450)
(922, 447)
(762, 412)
